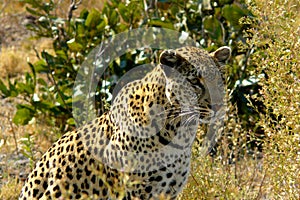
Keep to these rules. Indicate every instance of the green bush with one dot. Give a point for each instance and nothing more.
(48, 88)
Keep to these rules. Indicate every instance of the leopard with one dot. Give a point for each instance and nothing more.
(141, 147)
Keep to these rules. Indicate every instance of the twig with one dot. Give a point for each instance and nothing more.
(195, 179)
(259, 194)
(52, 78)
(74, 5)
(14, 135)
(36, 52)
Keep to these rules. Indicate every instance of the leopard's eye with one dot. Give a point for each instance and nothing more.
(197, 84)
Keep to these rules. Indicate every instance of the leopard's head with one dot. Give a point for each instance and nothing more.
(195, 78)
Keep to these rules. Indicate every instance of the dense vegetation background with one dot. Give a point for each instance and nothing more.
(258, 155)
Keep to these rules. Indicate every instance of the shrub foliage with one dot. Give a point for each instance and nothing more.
(47, 90)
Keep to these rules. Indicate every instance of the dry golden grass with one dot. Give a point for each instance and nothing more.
(280, 94)
(13, 62)
(16, 51)
(11, 6)
(11, 190)
(14, 56)
(231, 173)
(274, 174)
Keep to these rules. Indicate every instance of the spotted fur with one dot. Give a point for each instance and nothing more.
(141, 148)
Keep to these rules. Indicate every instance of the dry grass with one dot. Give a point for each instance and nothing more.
(14, 166)
(274, 174)
(15, 55)
(11, 6)
(280, 94)
(16, 50)
(11, 190)
(230, 174)
(12, 62)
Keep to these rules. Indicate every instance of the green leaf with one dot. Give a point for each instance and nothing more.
(4, 89)
(42, 82)
(40, 66)
(174, 10)
(114, 18)
(24, 88)
(48, 58)
(27, 87)
(33, 71)
(33, 12)
(22, 116)
(233, 13)
(29, 79)
(223, 2)
(61, 54)
(12, 88)
(93, 19)
(84, 13)
(81, 30)
(214, 28)
(101, 26)
(124, 12)
(163, 24)
(74, 46)
(45, 106)
(71, 121)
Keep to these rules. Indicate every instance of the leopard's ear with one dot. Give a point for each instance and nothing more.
(222, 54)
(170, 58)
